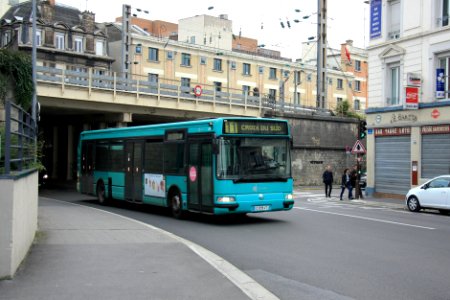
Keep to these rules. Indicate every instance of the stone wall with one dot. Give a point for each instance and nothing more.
(320, 141)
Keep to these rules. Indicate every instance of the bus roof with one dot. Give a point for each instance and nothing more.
(213, 125)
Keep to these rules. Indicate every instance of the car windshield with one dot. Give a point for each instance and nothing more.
(250, 159)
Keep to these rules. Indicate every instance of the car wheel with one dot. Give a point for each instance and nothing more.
(413, 204)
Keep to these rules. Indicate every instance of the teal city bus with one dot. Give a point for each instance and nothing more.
(213, 166)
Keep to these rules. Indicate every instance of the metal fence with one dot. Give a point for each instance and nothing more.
(163, 87)
(18, 138)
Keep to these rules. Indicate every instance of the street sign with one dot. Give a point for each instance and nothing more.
(358, 148)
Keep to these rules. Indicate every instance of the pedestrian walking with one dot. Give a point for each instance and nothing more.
(327, 177)
(346, 184)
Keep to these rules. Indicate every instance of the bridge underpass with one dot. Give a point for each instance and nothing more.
(71, 102)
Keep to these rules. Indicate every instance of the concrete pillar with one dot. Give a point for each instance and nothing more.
(54, 174)
(70, 151)
(121, 124)
(102, 125)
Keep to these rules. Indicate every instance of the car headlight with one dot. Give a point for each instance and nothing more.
(226, 199)
(289, 197)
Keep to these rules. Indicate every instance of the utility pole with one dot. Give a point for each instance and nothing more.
(321, 53)
(126, 40)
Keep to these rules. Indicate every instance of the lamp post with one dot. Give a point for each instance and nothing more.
(321, 52)
(33, 62)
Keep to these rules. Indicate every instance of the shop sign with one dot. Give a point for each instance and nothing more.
(412, 97)
(414, 79)
(440, 83)
(375, 19)
(392, 131)
(435, 129)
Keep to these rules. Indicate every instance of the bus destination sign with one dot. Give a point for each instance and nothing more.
(255, 127)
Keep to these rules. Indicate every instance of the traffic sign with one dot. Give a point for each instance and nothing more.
(358, 148)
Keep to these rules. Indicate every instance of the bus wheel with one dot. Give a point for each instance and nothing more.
(175, 205)
(101, 193)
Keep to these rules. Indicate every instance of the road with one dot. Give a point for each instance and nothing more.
(323, 248)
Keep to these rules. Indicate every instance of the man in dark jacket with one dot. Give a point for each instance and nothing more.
(328, 181)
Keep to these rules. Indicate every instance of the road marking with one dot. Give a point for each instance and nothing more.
(366, 218)
(245, 283)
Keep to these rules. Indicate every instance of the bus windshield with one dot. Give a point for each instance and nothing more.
(254, 159)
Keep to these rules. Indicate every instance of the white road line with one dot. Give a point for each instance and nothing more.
(366, 218)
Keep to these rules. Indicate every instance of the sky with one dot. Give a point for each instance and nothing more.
(347, 19)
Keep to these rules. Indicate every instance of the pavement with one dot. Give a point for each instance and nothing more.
(82, 252)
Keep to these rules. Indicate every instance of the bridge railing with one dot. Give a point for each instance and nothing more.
(166, 88)
(162, 88)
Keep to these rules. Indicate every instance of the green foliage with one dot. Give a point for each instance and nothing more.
(16, 68)
(343, 110)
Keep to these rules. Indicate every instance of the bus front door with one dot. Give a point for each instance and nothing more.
(133, 175)
(200, 175)
(87, 168)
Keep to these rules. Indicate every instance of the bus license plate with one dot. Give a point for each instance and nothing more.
(261, 207)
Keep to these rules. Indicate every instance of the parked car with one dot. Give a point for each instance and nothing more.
(434, 193)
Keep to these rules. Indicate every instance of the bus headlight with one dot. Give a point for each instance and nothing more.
(226, 199)
(289, 197)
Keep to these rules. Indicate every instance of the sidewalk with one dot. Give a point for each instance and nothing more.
(366, 200)
(86, 253)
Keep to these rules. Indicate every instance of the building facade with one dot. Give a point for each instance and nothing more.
(408, 115)
(68, 41)
(231, 64)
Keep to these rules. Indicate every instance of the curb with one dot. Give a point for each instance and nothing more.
(240, 279)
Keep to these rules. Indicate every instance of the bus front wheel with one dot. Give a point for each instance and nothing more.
(101, 193)
(176, 206)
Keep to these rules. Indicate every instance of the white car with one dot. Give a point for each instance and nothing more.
(435, 193)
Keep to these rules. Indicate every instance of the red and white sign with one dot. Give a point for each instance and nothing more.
(192, 173)
(198, 91)
(435, 114)
(358, 148)
(412, 97)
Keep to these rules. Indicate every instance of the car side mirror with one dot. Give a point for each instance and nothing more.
(425, 186)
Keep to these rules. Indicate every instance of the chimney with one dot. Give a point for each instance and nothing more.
(88, 21)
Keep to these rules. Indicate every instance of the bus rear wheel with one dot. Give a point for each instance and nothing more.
(176, 206)
(101, 193)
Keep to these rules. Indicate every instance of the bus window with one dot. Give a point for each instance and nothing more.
(101, 156)
(153, 153)
(174, 158)
(253, 158)
(116, 154)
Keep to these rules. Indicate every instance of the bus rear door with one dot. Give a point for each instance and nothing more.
(133, 175)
